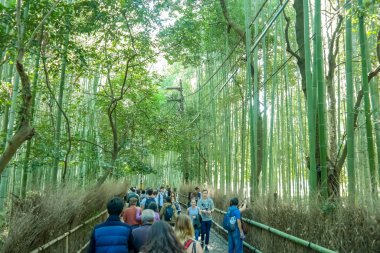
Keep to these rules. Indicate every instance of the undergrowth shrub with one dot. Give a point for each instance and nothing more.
(42, 217)
(339, 227)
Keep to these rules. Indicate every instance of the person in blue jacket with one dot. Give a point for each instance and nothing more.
(236, 237)
(113, 235)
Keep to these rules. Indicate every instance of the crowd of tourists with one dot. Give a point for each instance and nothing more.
(152, 221)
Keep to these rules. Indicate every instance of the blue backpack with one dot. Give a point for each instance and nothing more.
(229, 222)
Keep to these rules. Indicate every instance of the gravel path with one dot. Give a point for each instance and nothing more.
(217, 243)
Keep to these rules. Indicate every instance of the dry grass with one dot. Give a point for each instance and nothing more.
(341, 228)
(42, 217)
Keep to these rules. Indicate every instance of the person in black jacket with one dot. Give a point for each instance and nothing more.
(140, 234)
(112, 235)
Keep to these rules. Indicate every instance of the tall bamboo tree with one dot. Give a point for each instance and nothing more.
(319, 79)
(350, 107)
(310, 105)
(367, 105)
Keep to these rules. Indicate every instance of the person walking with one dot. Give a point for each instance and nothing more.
(161, 238)
(132, 194)
(235, 235)
(206, 205)
(112, 235)
(140, 233)
(185, 233)
(169, 212)
(129, 215)
(149, 199)
(197, 193)
(194, 213)
(142, 195)
(152, 206)
(175, 202)
(160, 198)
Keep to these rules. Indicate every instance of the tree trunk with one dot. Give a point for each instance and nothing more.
(367, 105)
(12, 112)
(57, 136)
(350, 128)
(25, 169)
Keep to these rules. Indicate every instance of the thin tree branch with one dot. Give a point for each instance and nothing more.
(63, 113)
(92, 143)
(231, 23)
(130, 33)
(373, 73)
(288, 47)
(5, 60)
(38, 27)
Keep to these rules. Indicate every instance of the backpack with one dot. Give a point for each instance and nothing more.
(188, 243)
(178, 208)
(229, 222)
(169, 213)
(197, 222)
(148, 201)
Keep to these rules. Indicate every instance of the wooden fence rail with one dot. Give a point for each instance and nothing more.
(266, 238)
(66, 236)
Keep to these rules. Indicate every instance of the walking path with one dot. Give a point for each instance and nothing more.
(217, 243)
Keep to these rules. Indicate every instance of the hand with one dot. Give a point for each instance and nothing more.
(242, 236)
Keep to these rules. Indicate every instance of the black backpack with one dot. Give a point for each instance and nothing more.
(148, 201)
(169, 213)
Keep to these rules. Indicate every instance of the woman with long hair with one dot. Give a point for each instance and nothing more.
(162, 239)
(195, 216)
(185, 233)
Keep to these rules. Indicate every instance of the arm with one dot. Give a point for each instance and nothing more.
(138, 214)
(200, 208)
(240, 227)
(212, 206)
(130, 242)
(243, 206)
(162, 212)
(238, 217)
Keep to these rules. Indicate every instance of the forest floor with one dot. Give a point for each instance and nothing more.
(217, 243)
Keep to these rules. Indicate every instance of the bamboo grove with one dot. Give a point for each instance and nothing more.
(285, 100)
(261, 98)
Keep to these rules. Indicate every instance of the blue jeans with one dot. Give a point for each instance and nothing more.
(206, 226)
(235, 244)
(196, 232)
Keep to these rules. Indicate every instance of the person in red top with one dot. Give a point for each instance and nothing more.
(129, 215)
